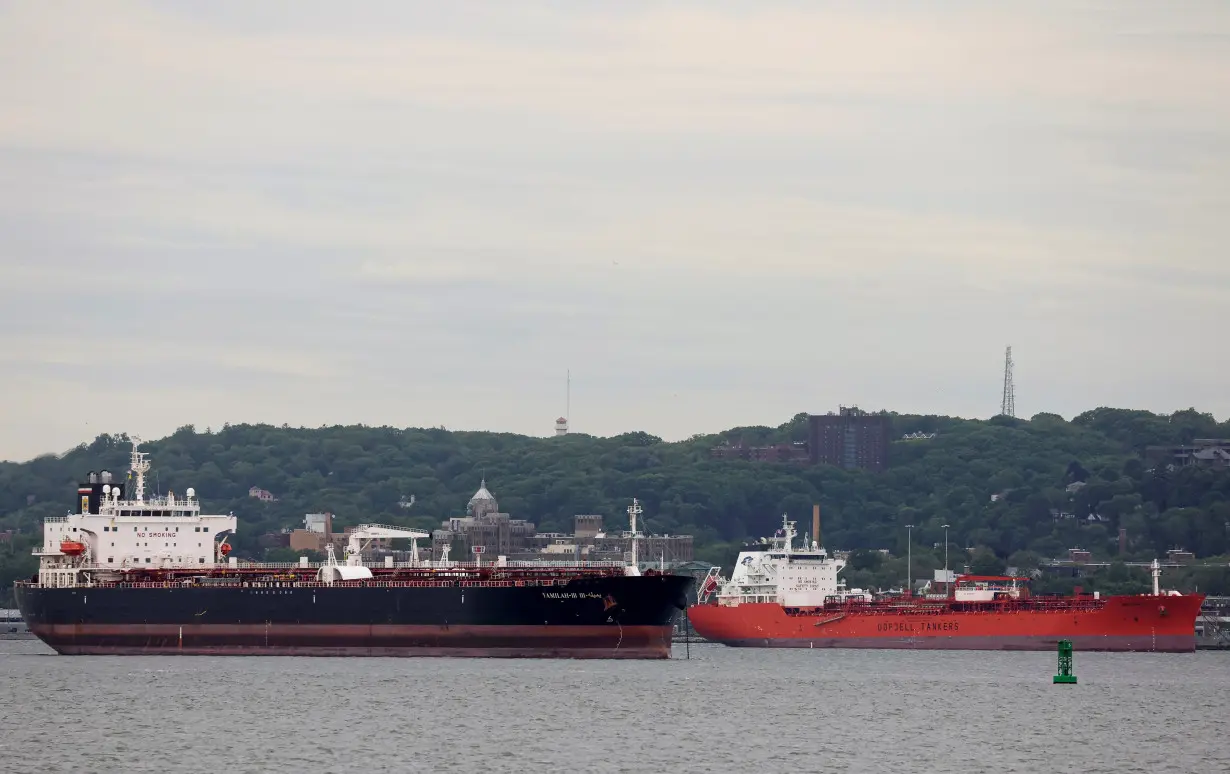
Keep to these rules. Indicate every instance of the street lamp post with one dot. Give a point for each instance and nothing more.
(945, 552)
(909, 560)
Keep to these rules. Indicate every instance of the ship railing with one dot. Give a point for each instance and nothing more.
(1033, 604)
(248, 565)
(492, 565)
(190, 573)
(55, 519)
(439, 582)
(553, 563)
(267, 576)
(425, 564)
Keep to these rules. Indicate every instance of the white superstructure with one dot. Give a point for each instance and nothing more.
(111, 531)
(780, 573)
(980, 588)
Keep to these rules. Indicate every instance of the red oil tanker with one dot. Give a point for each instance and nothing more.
(780, 596)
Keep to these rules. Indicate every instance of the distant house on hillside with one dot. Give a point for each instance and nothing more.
(1079, 555)
(781, 452)
(1202, 452)
(264, 495)
(1180, 556)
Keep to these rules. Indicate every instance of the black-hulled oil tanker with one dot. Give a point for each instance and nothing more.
(127, 574)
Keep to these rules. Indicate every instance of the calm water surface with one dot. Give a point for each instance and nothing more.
(725, 710)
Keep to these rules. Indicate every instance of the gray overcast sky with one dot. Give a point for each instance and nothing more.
(713, 213)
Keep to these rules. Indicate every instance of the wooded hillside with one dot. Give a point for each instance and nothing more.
(362, 473)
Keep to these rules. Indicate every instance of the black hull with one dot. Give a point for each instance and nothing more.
(604, 617)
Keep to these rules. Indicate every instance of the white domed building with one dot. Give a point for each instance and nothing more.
(483, 502)
(483, 525)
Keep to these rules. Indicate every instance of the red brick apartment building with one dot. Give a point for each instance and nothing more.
(851, 439)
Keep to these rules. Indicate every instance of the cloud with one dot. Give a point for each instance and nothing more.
(175, 361)
(172, 84)
(714, 214)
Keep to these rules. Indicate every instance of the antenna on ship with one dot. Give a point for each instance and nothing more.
(788, 534)
(634, 510)
(139, 466)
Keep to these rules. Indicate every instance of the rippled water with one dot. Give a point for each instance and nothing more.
(738, 710)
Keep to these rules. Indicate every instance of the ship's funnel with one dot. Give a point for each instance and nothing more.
(815, 523)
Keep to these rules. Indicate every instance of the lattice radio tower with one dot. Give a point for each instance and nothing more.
(1007, 405)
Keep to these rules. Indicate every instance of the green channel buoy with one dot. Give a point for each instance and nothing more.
(1065, 675)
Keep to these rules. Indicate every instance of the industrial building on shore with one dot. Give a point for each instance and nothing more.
(487, 533)
(498, 534)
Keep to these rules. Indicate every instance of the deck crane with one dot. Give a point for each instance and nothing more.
(365, 533)
(354, 569)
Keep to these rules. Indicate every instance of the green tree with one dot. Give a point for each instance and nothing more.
(362, 473)
(16, 563)
(1025, 561)
(983, 561)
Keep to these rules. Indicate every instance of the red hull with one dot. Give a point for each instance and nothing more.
(639, 642)
(1123, 624)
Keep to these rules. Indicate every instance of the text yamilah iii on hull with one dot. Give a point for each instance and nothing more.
(780, 596)
(130, 575)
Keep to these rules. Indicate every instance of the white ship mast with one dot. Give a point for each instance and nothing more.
(139, 466)
(634, 510)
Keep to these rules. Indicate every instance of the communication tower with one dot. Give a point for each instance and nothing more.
(1007, 405)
